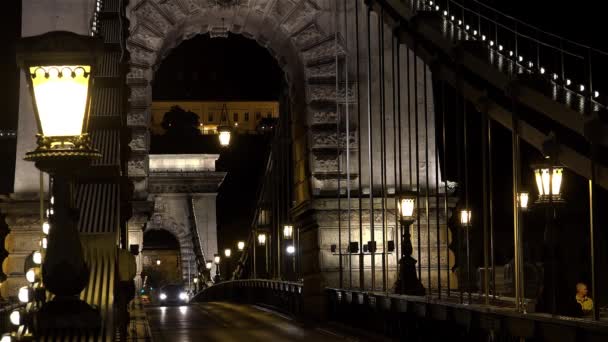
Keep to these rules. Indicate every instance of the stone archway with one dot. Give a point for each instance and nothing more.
(297, 34)
(181, 233)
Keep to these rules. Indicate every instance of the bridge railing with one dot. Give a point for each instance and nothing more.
(280, 295)
(576, 68)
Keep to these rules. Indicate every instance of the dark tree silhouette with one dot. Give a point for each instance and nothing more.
(180, 123)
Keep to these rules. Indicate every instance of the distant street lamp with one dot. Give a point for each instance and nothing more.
(59, 67)
(158, 262)
(549, 178)
(224, 130)
(287, 231)
(209, 264)
(262, 239)
(465, 223)
(290, 249)
(216, 260)
(227, 252)
(523, 198)
(240, 245)
(408, 282)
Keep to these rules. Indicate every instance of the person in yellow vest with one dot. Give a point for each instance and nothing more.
(582, 299)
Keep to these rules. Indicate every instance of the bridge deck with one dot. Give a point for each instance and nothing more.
(220, 321)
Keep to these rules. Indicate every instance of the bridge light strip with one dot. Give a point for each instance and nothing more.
(542, 70)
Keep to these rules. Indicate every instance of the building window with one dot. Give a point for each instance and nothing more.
(246, 116)
(235, 117)
(269, 115)
(258, 115)
(210, 117)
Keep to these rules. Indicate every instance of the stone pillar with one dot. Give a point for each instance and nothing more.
(23, 220)
(206, 222)
(135, 236)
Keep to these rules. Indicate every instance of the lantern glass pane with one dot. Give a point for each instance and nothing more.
(287, 231)
(227, 252)
(557, 181)
(61, 98)
(523, 200)
(241, 245)
(224, 138)
(406, 207)
(465, 217)
(539, 182)
(262, 239)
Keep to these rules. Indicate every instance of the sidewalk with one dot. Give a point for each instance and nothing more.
(139, 327)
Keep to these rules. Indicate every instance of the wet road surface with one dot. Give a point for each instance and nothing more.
(231, 322)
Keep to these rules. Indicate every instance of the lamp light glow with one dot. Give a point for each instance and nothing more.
(31, 275)
(406, 206)
(290, 249)
(287, 231)
(46, 227)
(24, 294)
(208, 265)
(61, 93)
(227, 252)
(37, 258)
(522, 200)
(548, 182)
(465, 218)
(240, 245)
(158, 262)
(15, 317)
(262, 239)
(224, 136)
(216, 259)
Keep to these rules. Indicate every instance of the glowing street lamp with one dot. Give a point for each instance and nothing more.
(158, 262)
(59, 68)
(227, 252)
(216, 259)
(240, 245)
(224, 130)
(548, 179)
(465, 218)
(287, 231)
(408, 282)
(290, 249)
(262, 239)
(523, 198)
(209, 264)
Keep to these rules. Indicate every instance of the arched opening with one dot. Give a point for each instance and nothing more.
(206, 82)
(162, 262)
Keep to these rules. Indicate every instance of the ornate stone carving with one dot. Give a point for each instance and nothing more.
(281, 8)
(323, 117)
(331, 139)
(138, 118)
(325, 70)
(307, 36)
(324, 92)
(304, 13)
(150, 13)
(324, 50)
(137, 167)
(140, 140)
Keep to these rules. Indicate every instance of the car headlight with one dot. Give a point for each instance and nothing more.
(183, 296)
(163, 296)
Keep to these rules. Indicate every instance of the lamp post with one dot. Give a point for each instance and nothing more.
(224, 130)
(288, 234)
(465, 223)
(59, 67)
(523, 199)
(216, 261)
(262, 242)
(408, 282)
(228, 254)
(548, 177)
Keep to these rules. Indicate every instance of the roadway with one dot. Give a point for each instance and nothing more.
(233, 322)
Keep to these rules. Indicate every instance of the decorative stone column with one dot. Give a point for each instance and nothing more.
(135, 236)
(23, 220)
